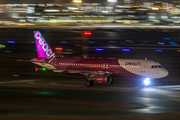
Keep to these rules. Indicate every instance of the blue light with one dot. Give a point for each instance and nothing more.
(70, 28)
(166, 38)
(11, 41)
(69, 49)
(15, 75)
(31, 82)
(30, 28)
(99, 49)
(35, 50)
(112, 41)
(8, 51)
(91, 42)
(146, 82)
(173, 44)
(63, 42)
(3, 82)
(53, 83)
(126, 50)
(128, 40)
(33, 42)
(159, 50)
(160, 43)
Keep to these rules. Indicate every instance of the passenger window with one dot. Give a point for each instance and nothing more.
(152, 66)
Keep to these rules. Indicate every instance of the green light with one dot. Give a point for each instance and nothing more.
(45, 93)
(43, 69)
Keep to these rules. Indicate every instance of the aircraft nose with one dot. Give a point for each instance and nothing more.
(164, 73)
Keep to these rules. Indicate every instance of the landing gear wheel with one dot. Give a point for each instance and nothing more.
(90, 83)
(111, 82)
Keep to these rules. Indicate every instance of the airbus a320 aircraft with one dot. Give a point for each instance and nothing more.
(100, 71)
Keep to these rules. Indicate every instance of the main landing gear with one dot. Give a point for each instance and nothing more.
(90, 82)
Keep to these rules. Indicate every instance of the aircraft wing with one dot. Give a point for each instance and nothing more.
(85, 73)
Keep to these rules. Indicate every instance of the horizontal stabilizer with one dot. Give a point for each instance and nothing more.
(24, 60)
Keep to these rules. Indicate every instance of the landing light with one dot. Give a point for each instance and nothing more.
(146, 81)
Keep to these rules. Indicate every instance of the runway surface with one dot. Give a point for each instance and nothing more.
(68, 97)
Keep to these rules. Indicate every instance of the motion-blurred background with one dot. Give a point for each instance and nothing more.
(111, 29)
(89, 12)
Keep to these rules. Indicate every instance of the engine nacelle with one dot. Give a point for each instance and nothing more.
(102, 79)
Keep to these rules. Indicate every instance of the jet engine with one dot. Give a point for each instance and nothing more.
(102, 79)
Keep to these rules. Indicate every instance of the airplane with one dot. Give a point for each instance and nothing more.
(101, 71)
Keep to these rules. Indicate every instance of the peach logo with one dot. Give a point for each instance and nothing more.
(133, 63)
(44, 45)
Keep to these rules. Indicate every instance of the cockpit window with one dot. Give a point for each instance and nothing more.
(156, 66)
(159, 66)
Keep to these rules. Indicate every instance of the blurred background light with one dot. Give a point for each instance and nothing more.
(11, 41)
(99, 49)
(126, 50)
(58, 48)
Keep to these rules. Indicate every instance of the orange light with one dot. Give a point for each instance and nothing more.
(87, 33)
(58, 48)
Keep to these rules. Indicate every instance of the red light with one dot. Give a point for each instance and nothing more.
(87, 33)
(58, 48)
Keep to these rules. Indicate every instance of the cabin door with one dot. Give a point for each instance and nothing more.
(105, 66)
(143, 66)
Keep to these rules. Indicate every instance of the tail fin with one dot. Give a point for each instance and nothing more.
(43, 49)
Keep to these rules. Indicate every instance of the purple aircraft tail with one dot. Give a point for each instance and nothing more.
(43, 49)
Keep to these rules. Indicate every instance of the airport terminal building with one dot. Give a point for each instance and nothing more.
(69, 12)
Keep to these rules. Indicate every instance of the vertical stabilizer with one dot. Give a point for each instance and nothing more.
(43, 49)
